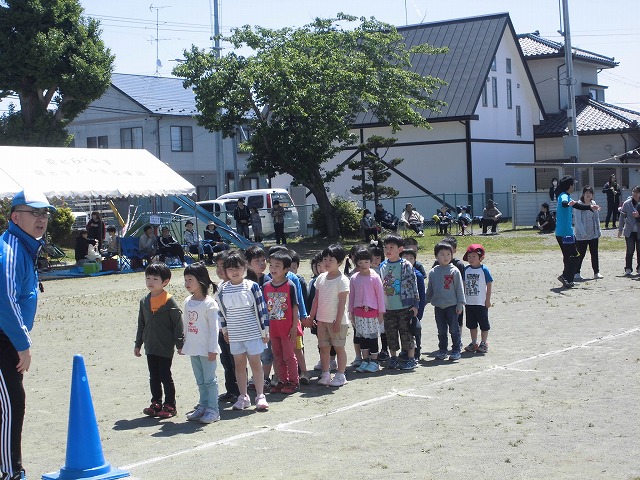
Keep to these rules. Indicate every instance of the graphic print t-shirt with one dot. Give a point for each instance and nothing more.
(280, 299)
(475, 284)
(391, 285)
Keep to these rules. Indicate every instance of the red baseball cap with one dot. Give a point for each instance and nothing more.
(474, 247)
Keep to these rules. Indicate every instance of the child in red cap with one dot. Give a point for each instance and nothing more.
(477, 286)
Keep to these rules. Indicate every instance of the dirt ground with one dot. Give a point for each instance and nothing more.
(555, 397)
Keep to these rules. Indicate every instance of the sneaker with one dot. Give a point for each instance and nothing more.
(242, 403)
(210, 416)
(441, 355)
(153, 409)
(197, 413)
(454, 356)
(324, 379)
(372, 367)
(227, 397)
(318, 366)
(289, 388)
(362, 367)
(577, 276)
(408, 365)
(563, 281)
(627, 271)
(274, 380)
(392, 363)
(251, 385)
(338, 380)
(167, 411)
(383, 356)
(333, 365)
(638, 270)
(483, 347)
(261, 403)
(277, 388)
(304, 378)
(266, 385)
(472, 347)
(598, 276)
(356, 363)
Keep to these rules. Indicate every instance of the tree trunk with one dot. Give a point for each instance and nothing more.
(330, 217)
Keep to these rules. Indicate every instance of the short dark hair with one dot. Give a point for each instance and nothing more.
(254, 251)
(285, 258)
(395, 239)
(442, 246)
(278, 248)
(409, 251)
(363, 254)
(82, 231)
(564, 183)
(234, 259)
(376, 251)
(316, 259)
(219, 256)
(545, 205)
(158, 269)
(111, 228)
(146, 227)
(295, 258)
(411, 242)
(336, 251)
(451, 241)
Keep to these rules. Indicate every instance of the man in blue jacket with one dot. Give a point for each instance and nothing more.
(19, 286)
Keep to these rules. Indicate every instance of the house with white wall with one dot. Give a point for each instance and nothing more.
(157, 114)
(491, 110)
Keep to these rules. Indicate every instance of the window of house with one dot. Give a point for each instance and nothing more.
(131, 137)
(593, 94)
(494, 91)
(484, 94)
(508, 62)
(494, 66)
(98, 142)
(181, 139)
(509, 99)
(518, 121)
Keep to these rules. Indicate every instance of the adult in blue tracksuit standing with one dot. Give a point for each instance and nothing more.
(19, 286)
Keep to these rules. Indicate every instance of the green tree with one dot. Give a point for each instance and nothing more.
(301, 91)
(61, 225)
(373, 170)
(53, 59)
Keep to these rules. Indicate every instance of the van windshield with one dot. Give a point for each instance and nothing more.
(284, 198)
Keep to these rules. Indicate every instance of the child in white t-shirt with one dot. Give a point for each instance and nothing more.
(477, 286)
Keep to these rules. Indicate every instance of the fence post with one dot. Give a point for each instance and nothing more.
(514, 192)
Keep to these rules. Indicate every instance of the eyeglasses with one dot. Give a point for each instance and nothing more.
(37, 213)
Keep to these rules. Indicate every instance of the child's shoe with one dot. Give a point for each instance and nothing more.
(472, 347)
(304, 378)
(363, 366)
(333, 365)
(277, 388)
(197, 413)
(210, 416)
(392, 364)
(153, 409)
(383, 355)
(454, 356)
(167, 411)
(289, 388)
(372, 367)
(339, 379)
(408, 365)
(242, 403)
(356, 362)
(441, 355)
(483, 347)
(251, 385)
(318, 366)
(261, 403)
(324, 379)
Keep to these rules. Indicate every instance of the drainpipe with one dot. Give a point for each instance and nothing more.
(158, 154)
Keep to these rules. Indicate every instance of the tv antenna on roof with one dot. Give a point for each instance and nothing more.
(157, 39)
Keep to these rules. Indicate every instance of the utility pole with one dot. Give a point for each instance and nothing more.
(220, 166)
(571, 144)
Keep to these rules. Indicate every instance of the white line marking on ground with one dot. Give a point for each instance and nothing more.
(407, 393)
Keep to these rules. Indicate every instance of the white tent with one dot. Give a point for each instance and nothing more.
(87, 172)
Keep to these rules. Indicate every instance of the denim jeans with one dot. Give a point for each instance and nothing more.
(447, 322)
(207, 381)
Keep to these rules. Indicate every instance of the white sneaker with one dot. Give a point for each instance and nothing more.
(324, 379)
(333, 365)
(261, 403)
(598, 276)
(318, 366)
(197, 413)
(338, 380)
(210, 416)
(242, 403)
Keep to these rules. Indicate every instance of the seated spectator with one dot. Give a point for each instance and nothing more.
(368, 226)
(490, 217)
(148, 244)
(545, 221)
(193, 241)
(464, 219)
(214, 240)
(443, 219)
(412, 219)
(385, 219)
(83, 242)
(112, 242)
(169, 247)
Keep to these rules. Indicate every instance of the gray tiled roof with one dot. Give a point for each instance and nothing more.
(534, 46)
(472, 44)
(161, 95)
(592, 117)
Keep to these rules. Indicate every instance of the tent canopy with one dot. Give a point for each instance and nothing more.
(87, 172)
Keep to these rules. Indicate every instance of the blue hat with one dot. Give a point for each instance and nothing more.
(32, 199)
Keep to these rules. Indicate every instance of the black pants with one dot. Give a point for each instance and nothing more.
(633, 243)
(489, 222)
(12, 406)
(612, 214)
(159, 377)
(569, 259)
(279, 231)
(582, 246)
(226, 359)
(171, 250)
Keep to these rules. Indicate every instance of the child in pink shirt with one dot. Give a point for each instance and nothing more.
(366, 309)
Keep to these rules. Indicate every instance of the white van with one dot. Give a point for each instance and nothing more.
(262, 199)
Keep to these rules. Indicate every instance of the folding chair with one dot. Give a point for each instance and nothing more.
(53, 253)
(464, 221)
(129, 253)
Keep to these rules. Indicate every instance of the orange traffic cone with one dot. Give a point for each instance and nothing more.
(84, 450)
